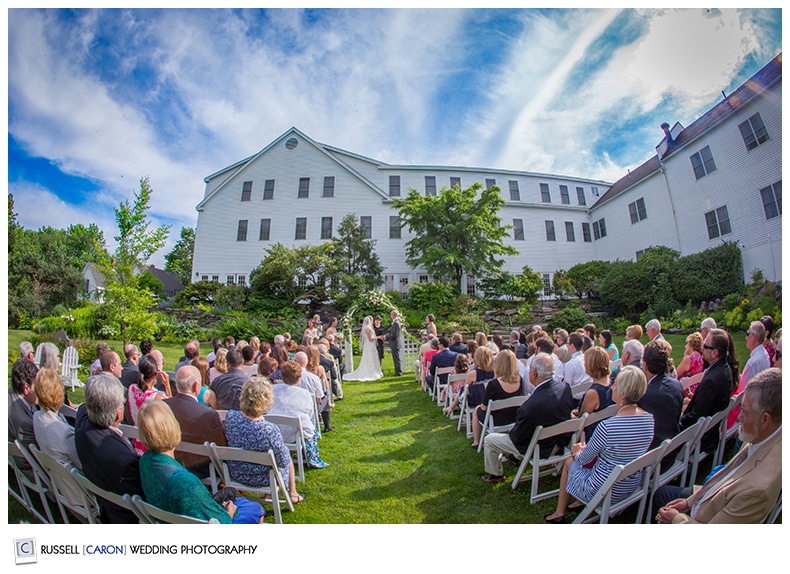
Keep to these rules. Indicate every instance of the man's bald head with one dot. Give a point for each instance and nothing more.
(186, 377)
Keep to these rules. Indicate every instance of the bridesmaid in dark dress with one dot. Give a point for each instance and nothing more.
(379, 331)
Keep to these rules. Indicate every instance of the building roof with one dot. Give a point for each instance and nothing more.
(769, 74)
(172, 284)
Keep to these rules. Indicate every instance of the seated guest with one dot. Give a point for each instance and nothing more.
(54, 435)
(279, 354)
(247, 429)
(550, 404)
(507, 384)
(620, 439)
(144, 390)
(758, 362)
(255, 343)
(634, 333)
(692, 363)
(227, 387)
(483, 371)
(590, 330)
(713, 392)
(216, 344)
(327, 362)
(605, 338)
(22, 404)
(461, 367)
(206, 395)
(456, 343)
(95, 367)
(574, 368)
(220, 366)
(249, 367)
(130, 368)
(542, 344)
(664, 396)
(444, 358)
(770, 346)
(49, 357)
(198, 422)
(290, 400)
(632, 355)
(108, 459)
(599, 396)
(26, 352)
(166, 483)
(266, 367)
(191, 352)
(745, 490)
(433, 348)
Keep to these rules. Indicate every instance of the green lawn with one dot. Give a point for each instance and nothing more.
(394, 458)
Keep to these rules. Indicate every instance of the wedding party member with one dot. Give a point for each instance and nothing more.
(379, 330)
(395, 339)
(369, 368)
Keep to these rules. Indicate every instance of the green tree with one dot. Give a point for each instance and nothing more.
(561, 285)
(355, 267)
(525, 286)
(179, 259)
(456, 232)
(293, 274)
(126, 303)
(586, 278)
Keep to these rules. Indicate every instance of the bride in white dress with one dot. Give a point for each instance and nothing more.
(369, 368)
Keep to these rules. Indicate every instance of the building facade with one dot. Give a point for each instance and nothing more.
(717, 180)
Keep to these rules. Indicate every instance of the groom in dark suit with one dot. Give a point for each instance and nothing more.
(394, 338)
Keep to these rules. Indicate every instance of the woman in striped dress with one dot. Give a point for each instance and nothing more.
(620, 439)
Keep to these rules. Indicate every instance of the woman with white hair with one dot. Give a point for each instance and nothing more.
(620, 439)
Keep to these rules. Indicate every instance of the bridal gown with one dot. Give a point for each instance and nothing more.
(369, 368)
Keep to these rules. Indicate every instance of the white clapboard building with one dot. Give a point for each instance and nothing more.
(717, 180)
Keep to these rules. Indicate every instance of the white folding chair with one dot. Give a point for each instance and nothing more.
(37, 359)
(450, 396)
(69, 368)
(494, 406)
(424, 374)
(438, 386)
(296, 446)
(598, 416)
(40, 483)
(601, 503)
(154, 515)
(223, 454)
(572, 427)
(717, 420)
(202, 450)
(68, 493)
(615, 364)
(727, 434)
(129, 431)
(682, 444)
(99, 494)
(579, 390)
(466, 409)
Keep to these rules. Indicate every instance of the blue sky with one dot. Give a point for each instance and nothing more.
(99, 98)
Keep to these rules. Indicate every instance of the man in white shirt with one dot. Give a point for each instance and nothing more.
(574, 369)
(758, 359)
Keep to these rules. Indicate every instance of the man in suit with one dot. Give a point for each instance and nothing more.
(713, 393)
(630, 357)
(22, 403)
(664, 396)
(456, 344)
(745, 490)
(129, 368)
(227, 387)
(550, 404)
(191, 352)
(199, 422)
(395, 339)
(108, 459)
(325, 360)
(653, 329)
(444, 358)
(519, 349)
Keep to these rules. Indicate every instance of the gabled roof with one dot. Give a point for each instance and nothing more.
(98, 277)
(239, 167)
(172, 284)
(767, 76)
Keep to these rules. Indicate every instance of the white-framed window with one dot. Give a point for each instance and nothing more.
(565, 197)
(490, 183)
(241, 230)
(702, 162)
(430, 185)
(586, 232)
(266, 230)
(518, 230)
(268, 189)
(570, 233)
(404, 284)
(641, 252)
(637, 210)
(753, 132)
(594, 191)
(301, 282)
(599, 228)
(366, 223)
(241, 280)
(772, 200)
(470, 285)
(580, 196)
(515, 194)
(546, 284)
(230, 280)
(455, 181)
(718, 222)
(389, 282)
(204, 277)
(246, 191)
(300, 232)
(394, 186)
(329, 186)
(550, 234)
(304, 188)
(395, 227)
(326, 228)
(422, 278)
(545, 194)
(215, 278)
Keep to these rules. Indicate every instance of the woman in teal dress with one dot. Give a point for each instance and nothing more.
(167, 484)
(605, 338)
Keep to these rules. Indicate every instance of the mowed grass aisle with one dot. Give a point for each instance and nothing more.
(395, 458)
